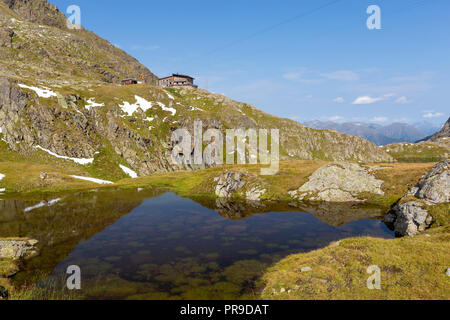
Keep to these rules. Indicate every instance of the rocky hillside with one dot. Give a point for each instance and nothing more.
(38, 11)
(132, 125)
(58, 98)
(444, 133)
(35, 43)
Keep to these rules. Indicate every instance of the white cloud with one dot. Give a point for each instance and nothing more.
(430, 115)
(370, 100)
(379, 119)
(403, 100)
(339, 100)
(366, 100)
(342, 75)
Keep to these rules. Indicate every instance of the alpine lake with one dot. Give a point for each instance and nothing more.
(153, 244)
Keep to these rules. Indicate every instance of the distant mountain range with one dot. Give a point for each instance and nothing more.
(379, 134)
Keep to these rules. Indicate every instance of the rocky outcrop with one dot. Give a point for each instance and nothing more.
(66, 128)
(26, 123)
(38, 11)
(255, 193)
(339, 182)
(410, 216)
(434, 187)
(409, 219)
(228, 183)
(45, 49)
(444, 133)
(18, 249)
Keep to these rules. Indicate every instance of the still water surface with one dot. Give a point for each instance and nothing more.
(154, 245)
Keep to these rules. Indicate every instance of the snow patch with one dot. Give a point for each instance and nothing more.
(77, 160)
(129, 108)
(2, 176)
(170, 96)
(129, 172)
(99, 181)
(92, 104)
(41, 92)
(163, 106)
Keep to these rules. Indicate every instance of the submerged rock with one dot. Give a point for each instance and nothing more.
(339, 182)
(409, 218)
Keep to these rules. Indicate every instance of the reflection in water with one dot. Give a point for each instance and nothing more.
(151, 246)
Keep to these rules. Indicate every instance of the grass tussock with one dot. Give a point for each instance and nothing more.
(411, 268)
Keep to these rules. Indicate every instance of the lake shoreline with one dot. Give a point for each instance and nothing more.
(397, 179)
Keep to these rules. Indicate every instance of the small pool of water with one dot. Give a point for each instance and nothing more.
(161, 246)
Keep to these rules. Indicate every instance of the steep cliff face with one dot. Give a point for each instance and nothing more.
(35, 43)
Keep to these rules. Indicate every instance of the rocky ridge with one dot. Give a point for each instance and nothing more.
(36, 44)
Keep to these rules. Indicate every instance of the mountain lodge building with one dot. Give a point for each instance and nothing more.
(129, 81)
(177, 80)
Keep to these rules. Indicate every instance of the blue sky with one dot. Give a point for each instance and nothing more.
(299, 59)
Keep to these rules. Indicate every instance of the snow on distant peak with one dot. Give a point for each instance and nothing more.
(76, 160)
(92, 104)
(129, 172)
(94, 180)
(41, 92)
